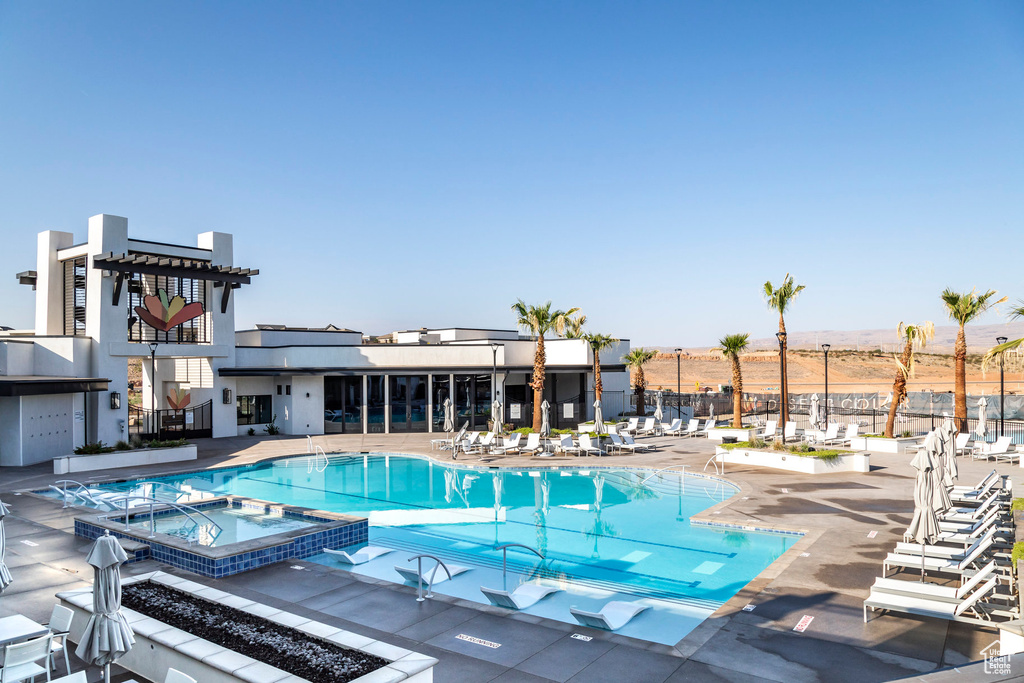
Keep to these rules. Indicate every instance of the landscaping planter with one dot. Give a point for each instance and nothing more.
(781, 460)
(67, 464)
(881, 445)
(745, 434)
(159, 646)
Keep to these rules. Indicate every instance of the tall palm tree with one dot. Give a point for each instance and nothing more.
(1012, 345)
(779, 298)
(914, 338)
(732, 345)
(636, 359)
(598, 343)
(963, 307)
(538, 321)
(574, 325)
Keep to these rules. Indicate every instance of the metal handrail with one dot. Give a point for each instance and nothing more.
(314, 462)
(153, 502)
(153, 482)
(713, 461)
(64, 489)
(504, 558)
(663, 469)
(419, 575)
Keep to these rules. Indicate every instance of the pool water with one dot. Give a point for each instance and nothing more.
(604, 533)
(236, 525)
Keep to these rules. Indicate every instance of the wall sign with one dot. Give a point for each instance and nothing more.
(515, 411)
(567, 411)
(163, 314)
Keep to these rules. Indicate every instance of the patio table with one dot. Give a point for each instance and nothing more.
(17, 628)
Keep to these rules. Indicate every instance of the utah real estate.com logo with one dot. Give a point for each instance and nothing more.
(996, 663)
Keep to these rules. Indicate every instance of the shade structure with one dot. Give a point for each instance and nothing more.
(950, 470)
(107, 636)
(545, 419)
(982, 427)
(813, 411)
(598, 418)
(5, 573)
(496, 415)
(449, 418)
(924, 527)
(659, 413)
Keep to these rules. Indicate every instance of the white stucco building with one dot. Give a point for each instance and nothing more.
(112, 297)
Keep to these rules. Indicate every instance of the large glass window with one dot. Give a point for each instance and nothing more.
(473, 400)
(254, 410)
(408, 396)
(343, 405)
(482, 400)
(375, 404)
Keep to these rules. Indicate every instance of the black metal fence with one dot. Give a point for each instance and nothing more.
(190, 423)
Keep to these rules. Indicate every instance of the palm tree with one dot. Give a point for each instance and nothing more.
(1013, 345)
(539, 320)
(779, 298)
(963, 308)
(914, 338)
(574, 326)
(732, 345)
(636, 359)
(598, 343)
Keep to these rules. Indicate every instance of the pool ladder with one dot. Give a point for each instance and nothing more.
(314, 462)
(419, 574)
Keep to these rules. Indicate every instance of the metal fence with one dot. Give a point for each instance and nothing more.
(190, 423)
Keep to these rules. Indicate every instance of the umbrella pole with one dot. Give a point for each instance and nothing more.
(106, 674)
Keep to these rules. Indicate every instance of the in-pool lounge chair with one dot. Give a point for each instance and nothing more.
(523, 597)
(408, 572)
(361, 556)
(611, 617)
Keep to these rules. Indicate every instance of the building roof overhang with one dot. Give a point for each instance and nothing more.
(39, 385)
(175, 267)
(271, 371)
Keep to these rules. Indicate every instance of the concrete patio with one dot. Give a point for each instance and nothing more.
(825, 576)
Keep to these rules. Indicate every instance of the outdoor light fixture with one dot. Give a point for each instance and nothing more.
(679, 387)
(226, 397)
(494, 379)
(152, 379)
(1001, 341)
(115, 400)
(825, 348)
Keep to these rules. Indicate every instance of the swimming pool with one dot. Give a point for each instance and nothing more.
(605, 533)
(221, 526)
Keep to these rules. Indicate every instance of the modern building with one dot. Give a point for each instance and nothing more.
(113, 298)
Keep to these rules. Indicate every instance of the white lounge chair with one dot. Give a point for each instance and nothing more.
(968, 494)
(830, 434)
(631, 425)
(523, 597)
(629, 443)
(511, 445)
(788, 431)
(486, 443)
(961, 443)
(613, 616)
(566, 445)
(932, 590)
(532, 443)
(649, 427)
(709, 424)
(673, 428)
(617, 443)
(968, 514)
(408, 572)
(692, 428)
(930, 607)
(361, 556)
(1003, 449)
(946, 551)
(768, 433)
(852, 429)
(951, 565)
(587, 447)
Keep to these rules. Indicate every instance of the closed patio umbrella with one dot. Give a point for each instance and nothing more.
(924, 527)
(545, 419)
(982, 427)
(449, 418)
(496, 415)
(813, 412)
(5, 574)
(598, 419)
(950, 470)
(107, 636)
(658, 412)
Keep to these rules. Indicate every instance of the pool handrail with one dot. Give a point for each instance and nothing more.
(713, 460)
(314, 462)
(153, 502)
(419, 574)
(664, 469)
(81, 492)
(504, 557)
(154, 482)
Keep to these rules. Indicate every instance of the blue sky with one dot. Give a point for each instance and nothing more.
(390, 165)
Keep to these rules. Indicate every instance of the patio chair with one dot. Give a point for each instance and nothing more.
(961, 443)
(532, 444)
(613, 616)
(486, 443)
(976, 492)
(587, 447)
(788, 431)
(20, 660)
(60, 626)
(361, 556)
(511, 445)
(831, 433)
(175, 676)
(934, 591)
(950, 565)
(523, 597)
(629, 443)
(966, 514)
(77, 677)
(692, 427)
(931, 607)
(1003, 449)
(946, 551)
(848, 436)
(631, 426)
(708, 426)
(566, 445)
(768, 433)
(650, 427)
(674, 428)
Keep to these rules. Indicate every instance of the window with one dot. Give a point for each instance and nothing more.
(74, 296)
(288, 389)
(195, 330)
(254, 410)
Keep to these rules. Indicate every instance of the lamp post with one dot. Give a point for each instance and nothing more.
(679, 386)
(152, 383)
(494, 380)
(1000, 341)
(783, 391)
(825, 348)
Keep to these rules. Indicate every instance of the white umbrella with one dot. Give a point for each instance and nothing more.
(982, 427)
(496, 415)
(107, 636)
(924, 527)
(598, 419)
(5, 574)
(545, 421)
(658, 414)
(950, 471)
(449, 418)
(813, 412)
(711, 408)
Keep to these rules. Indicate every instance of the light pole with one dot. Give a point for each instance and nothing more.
(1001, 341)
(825, 348)
(783, 393)
(494, 380)
(679, 386)
(152, 383)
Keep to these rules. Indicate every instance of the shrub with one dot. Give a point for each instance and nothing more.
(523, 430)
(174, 443)
(272, 428)
(93, 449)
(1017, 504)
(122, 446)
(251, 431)
(135, 441)
(1017, 554)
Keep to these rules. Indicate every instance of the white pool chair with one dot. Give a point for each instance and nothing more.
(934, 591)
(617, 444)
(566, 445)
(1001, 446)
(967, 514)
(961, 443)
(409, 572)
(788, 431)
(692, 427)
(1003, 449)
(629, 443)
(486, 443)
(362, 556)
(532, 444)
(969, 609)
(957, 564)
(674, 428)
(946, 551)
(768, 433)
(708, 426)
(60, 627)
(587, 447)
(20, 660)
(830, 434)
(511, 445)
(650, 427)
(523, 597)
(975, 493)
(175, 676)
(631, 426)
(852, 429)
(612, 616)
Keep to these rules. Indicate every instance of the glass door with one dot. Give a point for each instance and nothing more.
(408, 395)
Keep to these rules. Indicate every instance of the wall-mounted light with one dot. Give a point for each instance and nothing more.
(115, 400)
(307, 394)
(227, 397)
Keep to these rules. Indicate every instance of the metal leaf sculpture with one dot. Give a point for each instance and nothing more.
(162, 314)
(178, 399)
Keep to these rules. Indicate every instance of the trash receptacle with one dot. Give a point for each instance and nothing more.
(730, 439)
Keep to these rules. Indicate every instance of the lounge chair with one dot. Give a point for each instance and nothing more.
(532, 444)
(486, 443)
(692, 428)
(931, 607)
(631, 426)
(511, 445)
(961, 443)
(1003, 449)
(967, 494)
(613, 616)
(831, 433)
(408, 572)
(649, 428)
(788, 431)
(617, 444)
(566, 445)
(768, 433)
(848, 436)
(674, 428)
(629, 443)
(946, 551)
(523, 597)
(986, 450)
(709, 424)
(587, 447)
(932, 590)
(951, 565)
(968, 514)
(361, 556)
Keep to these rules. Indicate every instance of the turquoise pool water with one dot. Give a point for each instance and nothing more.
(605, 533)
(235, 526)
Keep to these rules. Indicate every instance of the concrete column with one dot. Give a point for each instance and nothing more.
(430, 403)
(387, 404)
(50, 282)
(222, 333)
(366, 405)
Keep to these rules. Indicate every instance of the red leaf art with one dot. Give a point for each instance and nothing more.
(179, 398)
(161, 314)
